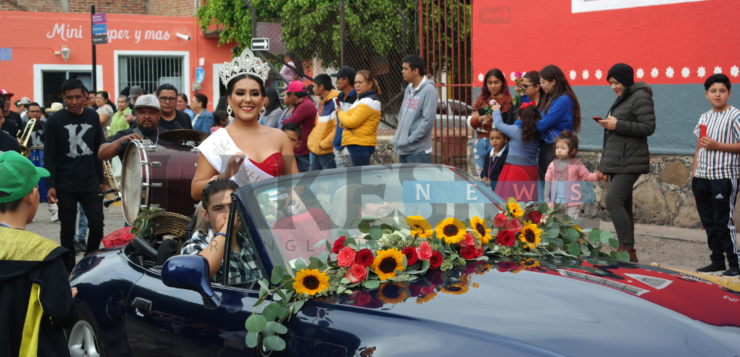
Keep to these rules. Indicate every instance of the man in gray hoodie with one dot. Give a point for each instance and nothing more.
(413, 139)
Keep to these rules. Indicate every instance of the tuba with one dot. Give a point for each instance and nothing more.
(23, 139)
(110, 177)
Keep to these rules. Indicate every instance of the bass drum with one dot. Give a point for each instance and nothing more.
(157, 176)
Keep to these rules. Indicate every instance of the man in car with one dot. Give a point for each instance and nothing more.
(147, 120)
(212, 245)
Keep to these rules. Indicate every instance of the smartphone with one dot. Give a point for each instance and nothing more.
(336, 101)
(598, 118)
(702, 130)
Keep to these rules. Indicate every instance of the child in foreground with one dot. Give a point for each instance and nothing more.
(566, 172)
(494, 160)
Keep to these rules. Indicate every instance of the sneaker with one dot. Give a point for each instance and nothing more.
(734, 271)
(712, 268)
(55, 217)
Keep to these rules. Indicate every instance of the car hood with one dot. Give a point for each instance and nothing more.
(568, 310)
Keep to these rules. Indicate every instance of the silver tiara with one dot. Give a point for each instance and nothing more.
(247, 63)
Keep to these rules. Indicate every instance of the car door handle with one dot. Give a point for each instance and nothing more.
(142, 304)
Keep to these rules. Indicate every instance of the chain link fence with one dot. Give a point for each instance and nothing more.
(362, 34)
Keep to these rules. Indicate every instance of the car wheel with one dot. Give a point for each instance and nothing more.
(83, 341)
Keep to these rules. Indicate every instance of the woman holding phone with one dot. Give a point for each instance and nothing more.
(625, 156)
(495, 88)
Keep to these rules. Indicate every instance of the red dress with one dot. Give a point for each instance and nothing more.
(518, 181)
(272, 165)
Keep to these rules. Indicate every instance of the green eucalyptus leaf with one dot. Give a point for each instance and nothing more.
(340, 289)
(584, 250)
(553, 232)
(252, 339)
(282, 295)
(344, 232)
(323, 241)
(614, 243)
(355, 222)
(364, 227)
(573, 234)
(372, 284)
(624, 257)
(324, 256)
(278, 327)
(277, 274)
(424, 265)
(369, 219)
(271, 311)
(315, 263)
(300, 264)
(256, 323)
(275, 343)
(614, 255)
(297, 306)
(376, 232)
(405, 262)
(345, 281)
(574, 249)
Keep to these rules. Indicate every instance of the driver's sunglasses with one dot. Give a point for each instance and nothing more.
(168, 99)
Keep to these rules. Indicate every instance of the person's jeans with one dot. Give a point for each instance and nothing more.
(339, 156)
(303, 162)
(360, 155)
(81, 224)
(482, 146)
(320, 162)
(92, 204)
(418, 158)
(619, 205)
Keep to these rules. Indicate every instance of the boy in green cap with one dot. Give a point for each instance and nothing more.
(34, 285)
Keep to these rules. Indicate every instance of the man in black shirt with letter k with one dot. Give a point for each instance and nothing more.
(73, 136)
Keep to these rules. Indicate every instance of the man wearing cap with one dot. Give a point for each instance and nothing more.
(7, 142)
(347, 96)
(147, 112)
(13, 122)
(38, 303)
(304, 116)
(71, 142)
(22, 107)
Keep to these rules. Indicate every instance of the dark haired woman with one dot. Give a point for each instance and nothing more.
(625, 156)
(232, 153)
(220, 120)
(106, 108)
(560, 111)
(360, 122)
(292, 59)
(495, 88)
(203, 119)
(273, 109)
(518, 178)
(183, 106)
(533, 92)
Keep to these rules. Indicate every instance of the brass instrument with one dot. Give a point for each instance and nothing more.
(23, 139)
(114, 188)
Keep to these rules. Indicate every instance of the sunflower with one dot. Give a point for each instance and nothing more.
(529, 263)
(310, 281)
(530, 235)
(480, 226)
(387, 262)
(392, 293)
(451, 230)
(455, 289)
(515, 210)
(577, 228)
(419, 226)
(422, 299)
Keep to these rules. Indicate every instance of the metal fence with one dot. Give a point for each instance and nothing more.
(355, 34)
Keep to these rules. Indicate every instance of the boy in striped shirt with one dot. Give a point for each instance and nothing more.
(716, 174)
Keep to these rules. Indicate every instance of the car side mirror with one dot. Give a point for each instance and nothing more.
(191, 272)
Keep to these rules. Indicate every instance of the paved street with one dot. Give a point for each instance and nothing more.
(679, 248)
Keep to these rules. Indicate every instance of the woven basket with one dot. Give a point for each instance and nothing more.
(170, 223)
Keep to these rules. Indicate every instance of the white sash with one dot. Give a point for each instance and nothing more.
(219, 148)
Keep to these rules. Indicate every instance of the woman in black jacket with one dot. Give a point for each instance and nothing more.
(625, 156)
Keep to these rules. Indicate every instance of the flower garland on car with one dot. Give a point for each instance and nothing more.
(387, 255)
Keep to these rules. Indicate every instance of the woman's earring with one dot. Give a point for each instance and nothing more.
(262, 111)
(230, 112)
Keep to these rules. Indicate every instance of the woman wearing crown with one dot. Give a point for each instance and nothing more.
(246, 151)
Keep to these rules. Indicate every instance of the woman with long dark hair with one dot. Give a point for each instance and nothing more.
(495, 88)
(560, 111)
(273, 109)
(106, 108)
(518, 177)
(533, 92)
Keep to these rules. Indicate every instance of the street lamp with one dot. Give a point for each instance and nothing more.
(65, 52)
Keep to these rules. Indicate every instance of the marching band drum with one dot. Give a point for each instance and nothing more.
(37, 157)
(157, 175)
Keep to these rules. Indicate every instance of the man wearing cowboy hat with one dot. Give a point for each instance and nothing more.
(148, 112)
(13, 122)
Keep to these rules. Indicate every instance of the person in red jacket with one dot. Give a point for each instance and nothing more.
(304, 116)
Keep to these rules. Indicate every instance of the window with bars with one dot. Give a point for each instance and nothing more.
(149, 72)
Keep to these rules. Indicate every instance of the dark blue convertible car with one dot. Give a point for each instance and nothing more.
(554, 306)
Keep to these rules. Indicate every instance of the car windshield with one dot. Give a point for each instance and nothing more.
(337, 200)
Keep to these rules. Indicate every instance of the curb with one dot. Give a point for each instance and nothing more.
(730, 283)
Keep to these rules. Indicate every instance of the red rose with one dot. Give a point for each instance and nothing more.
(436, 260)
(410, 254)
(534, 216)
(338, 244)
(436, 278)
(506, 238)
(499, 220)
(468, 241)
(514, 225)
(470, 268)
(361, 298)
(365, 257)
(468, 252)
(424, 251)
(507, 266)
(356, 273)
(346, 257)
(374, 304)
(479, 252)
(414, 290)
(427, 290)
